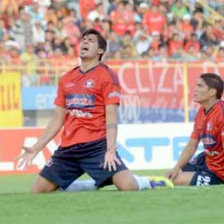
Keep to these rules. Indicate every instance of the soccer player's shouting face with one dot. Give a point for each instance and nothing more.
(89, 47)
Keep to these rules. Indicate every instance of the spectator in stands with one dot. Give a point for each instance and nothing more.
(35, 13)
(38, 33)
(13, 55)
(179, 9)
(193, 41)
(72, 31)
(106, 28)
(197, 22)
(153, 55)
(98, 12)
(186, 27)
(191, 55)
(220, 54)
(22, 31)
(127, 41)
(60, 31)
(129, 15)
(208, 53)
(118, 20)
(29, 62)
(142, 42)
(156, 41)
(113, 44)
(128, 52)
(51, 16)
(154, 20)
(208, 38)
(218, 30)
(175, 45)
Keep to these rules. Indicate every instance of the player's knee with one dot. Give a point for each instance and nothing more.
(42, 185)
(125, 181)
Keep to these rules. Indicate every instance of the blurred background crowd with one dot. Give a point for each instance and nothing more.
(32, 31)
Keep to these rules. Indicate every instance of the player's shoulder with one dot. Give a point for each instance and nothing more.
(219, 108)
(67, 74)
(108, 73)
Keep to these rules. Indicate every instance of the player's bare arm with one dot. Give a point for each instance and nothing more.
(111, 159)
(52, 129)
(186, 155)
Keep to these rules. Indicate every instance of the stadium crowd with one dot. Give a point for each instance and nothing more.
(32, 31)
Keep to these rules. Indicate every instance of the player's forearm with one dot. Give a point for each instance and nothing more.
(51, 130)
(111, 126)
(111, 136)
(186, 155)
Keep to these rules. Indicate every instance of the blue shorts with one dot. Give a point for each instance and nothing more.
(203, 176)
(69, 163)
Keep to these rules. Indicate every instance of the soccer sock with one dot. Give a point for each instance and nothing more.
(81, 185)
(143, 182)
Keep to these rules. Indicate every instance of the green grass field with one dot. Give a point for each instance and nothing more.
(187, 205)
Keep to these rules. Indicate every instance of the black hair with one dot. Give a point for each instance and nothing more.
(213, 81)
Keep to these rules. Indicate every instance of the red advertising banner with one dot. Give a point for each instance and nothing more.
(154, 91)
(11, 143)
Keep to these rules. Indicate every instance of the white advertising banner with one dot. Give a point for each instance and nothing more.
(152, 146)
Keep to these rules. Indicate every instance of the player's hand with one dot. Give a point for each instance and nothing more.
(27, 157)
(111, 160)
(172, 174)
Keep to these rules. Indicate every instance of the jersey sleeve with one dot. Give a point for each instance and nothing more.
(221, 123)
(196, 132)
(111, 89)
(60, 98)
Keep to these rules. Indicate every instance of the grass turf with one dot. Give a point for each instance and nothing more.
(184, 205)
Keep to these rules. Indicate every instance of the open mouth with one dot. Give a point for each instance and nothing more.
(85, 49)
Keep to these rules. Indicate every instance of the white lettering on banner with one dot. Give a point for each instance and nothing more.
(121, 78)
(151, 76)
(130, 108)
(138, 80)
(6, 166)
(165, 74)
(161, 88)
(177, 78)
(43, 101)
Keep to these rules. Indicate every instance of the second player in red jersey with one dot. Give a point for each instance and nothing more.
(208, 167)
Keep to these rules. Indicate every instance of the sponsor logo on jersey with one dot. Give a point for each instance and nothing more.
(79, 113)
(209, 141)
(80, 101)
(89, 83)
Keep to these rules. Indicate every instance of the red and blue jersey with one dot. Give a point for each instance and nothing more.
(209, 128)
(85, 95)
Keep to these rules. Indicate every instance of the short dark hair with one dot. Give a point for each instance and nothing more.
(102, 43)
(214, 81)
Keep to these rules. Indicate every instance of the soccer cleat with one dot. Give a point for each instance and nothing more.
(158, 182)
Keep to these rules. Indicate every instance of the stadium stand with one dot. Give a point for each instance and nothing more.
(42, 34)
